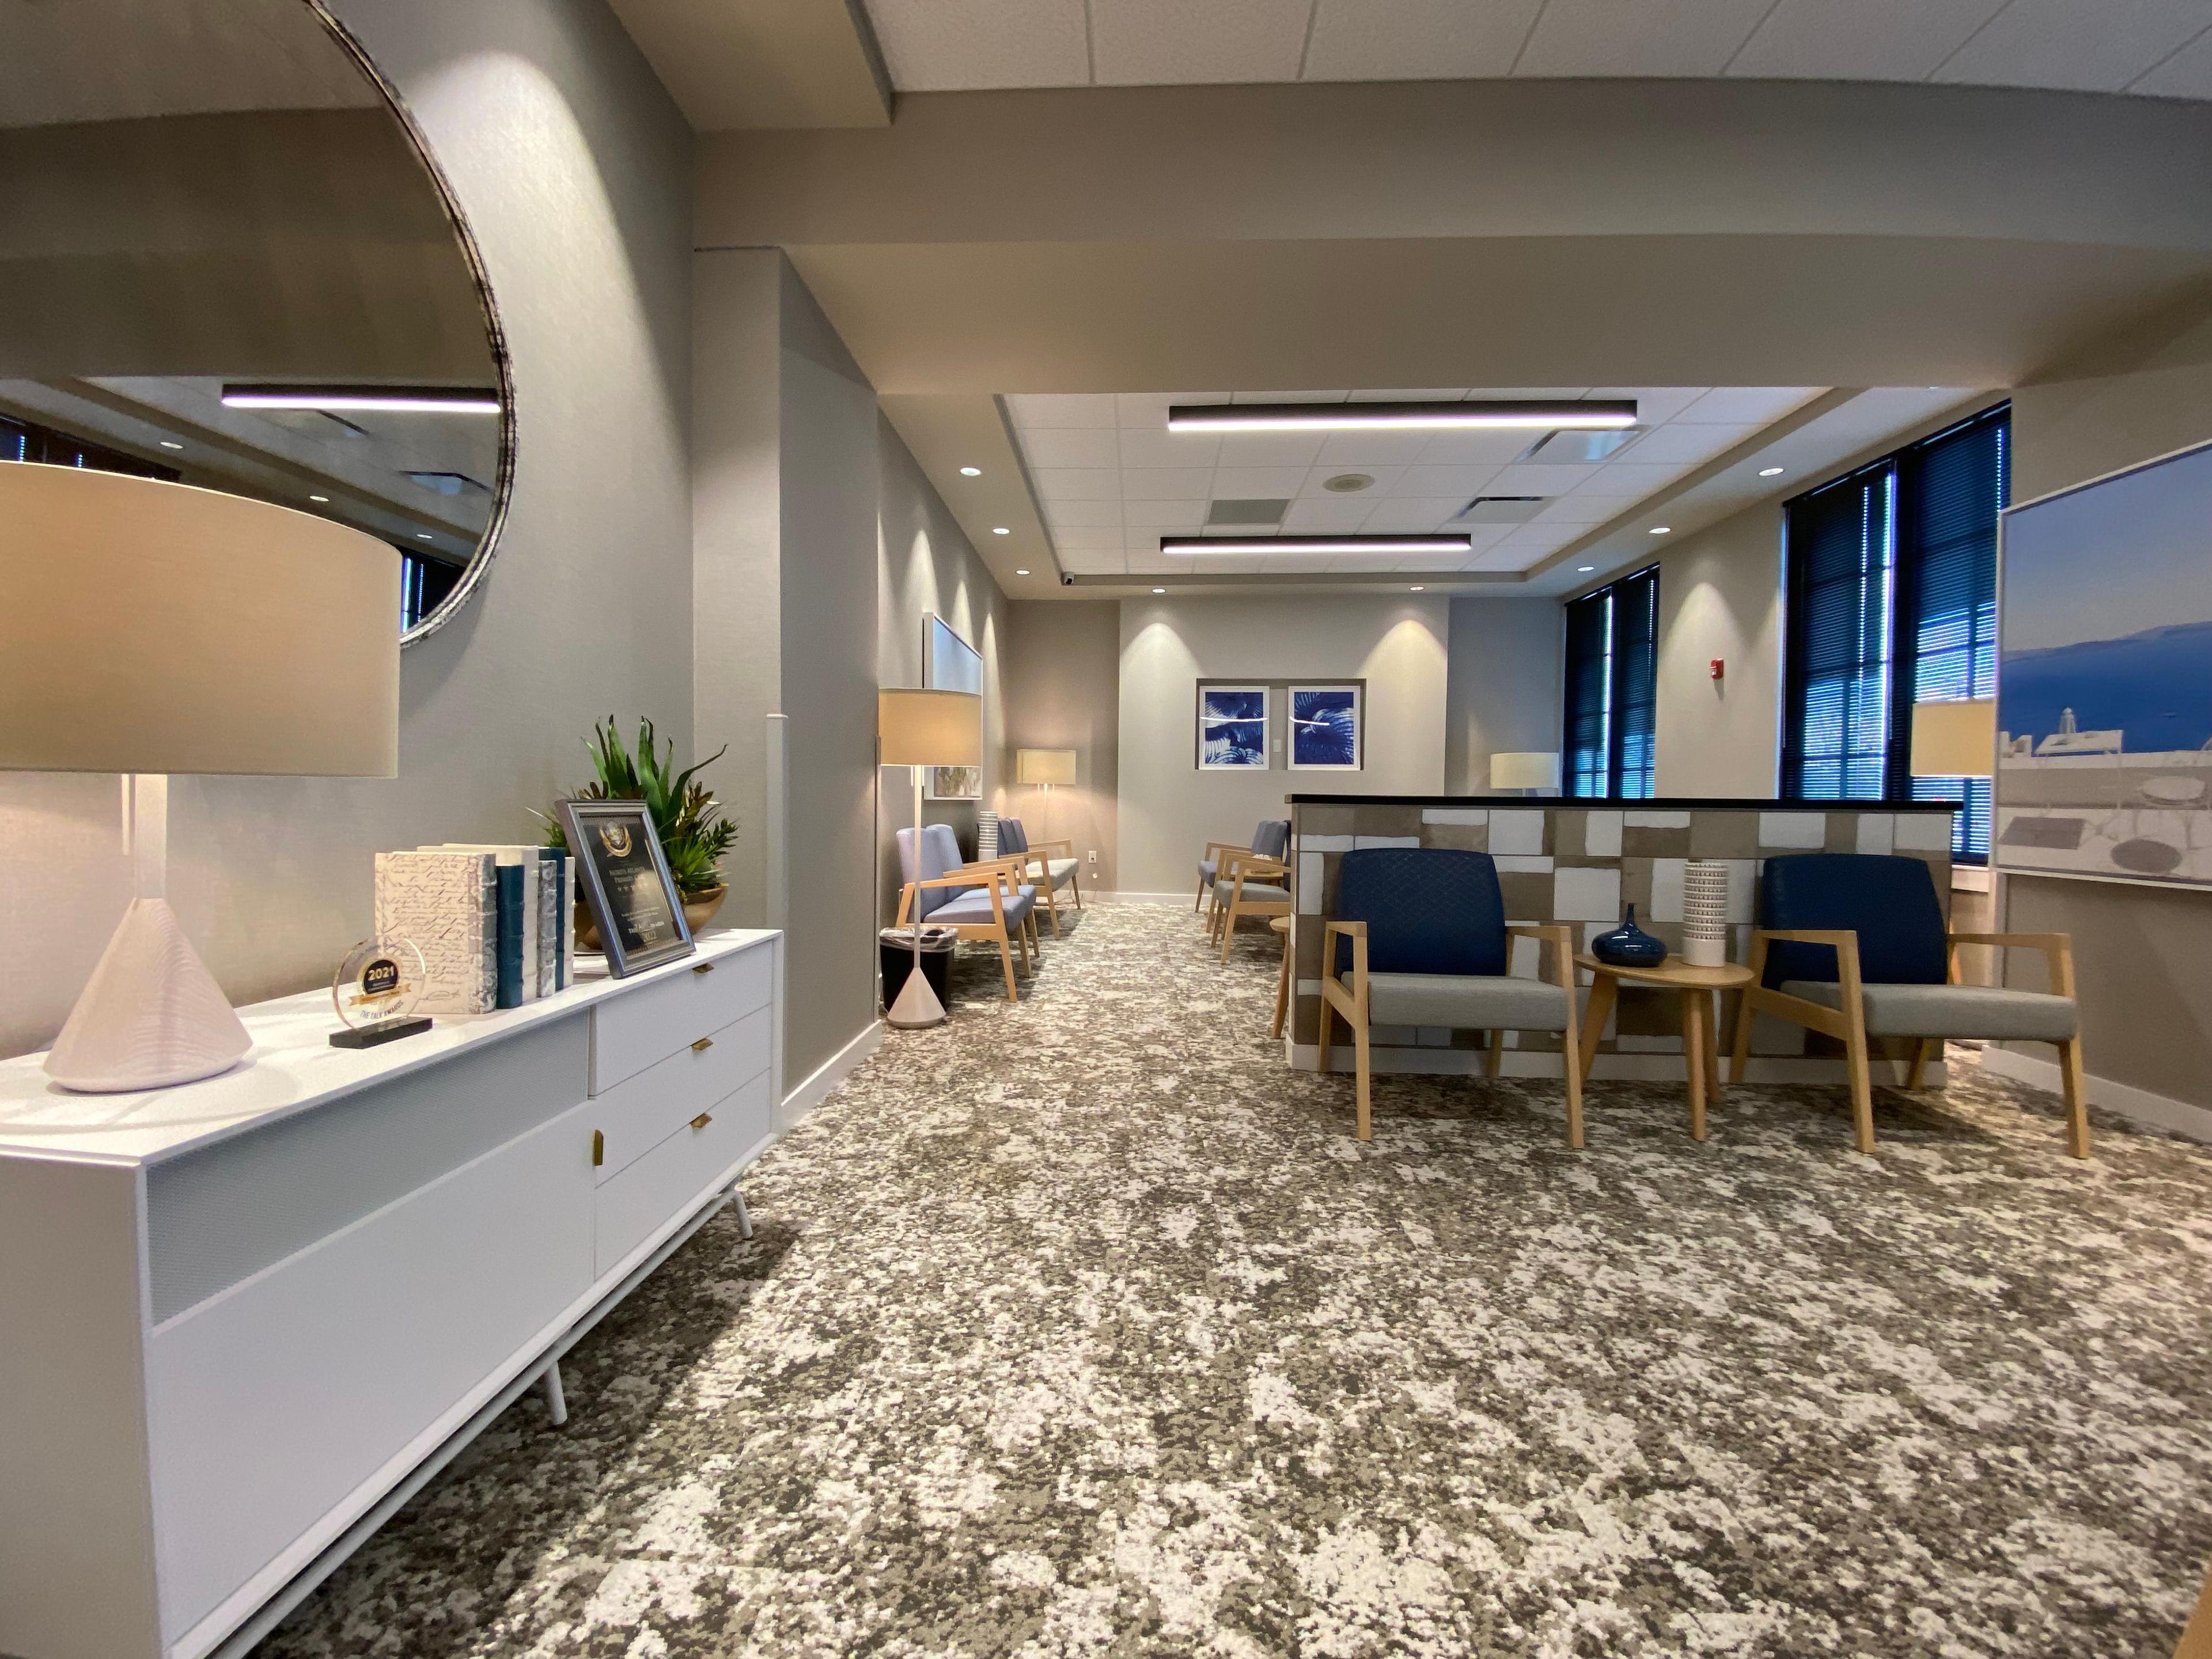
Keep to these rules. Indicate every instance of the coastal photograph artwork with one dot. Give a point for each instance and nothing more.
(2105, 679)
(1325, 728)
(1232, 727)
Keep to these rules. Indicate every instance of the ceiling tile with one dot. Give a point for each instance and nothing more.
(1075, 445)
(961, 46)
(1417, 40)
(1043, 409)
(1257, 482)
(1158, 43)
(1062, 514)
(1166, 484)
(2096, 47)
(1541, 478)
(1159, 447)
(1148, 411)
(1866, 39)
(1687, 442)
(1088, 539)
(1475, 449)
(1343, 449)
(1463, 482)
(1179, 518)
(1297, 449)
(1412, 512)
(1729, 405)
(1316, 481)
(2187, 74)
(1077, 483)
(1077, 562)
(1625, 478)
(1332, 515)
(1581, 510)
(1638, 37)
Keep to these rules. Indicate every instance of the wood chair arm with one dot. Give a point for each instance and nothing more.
(1214, 847)
(1356, 1008)
(1560, 937)
(2032, 941)
(2057, 954)
(1838, 937)
(1047, 846)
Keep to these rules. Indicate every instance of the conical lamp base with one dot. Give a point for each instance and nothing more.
(150, 1016)
(917, 1004)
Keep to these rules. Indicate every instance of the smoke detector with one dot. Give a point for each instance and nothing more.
(1349, 484)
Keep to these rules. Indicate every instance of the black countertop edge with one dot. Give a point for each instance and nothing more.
(1622, 804)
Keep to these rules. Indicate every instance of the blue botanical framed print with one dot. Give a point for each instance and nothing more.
(1232, 727)
(1325, 728)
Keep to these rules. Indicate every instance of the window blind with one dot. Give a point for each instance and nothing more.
(1589, 723)
(1612, 687)
(1842, 573)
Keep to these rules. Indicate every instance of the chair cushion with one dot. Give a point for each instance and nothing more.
(1888, 901)
(1428, 910)
(973, 908)
(1272, 838)
(1208, 869)
(1255, 892)
(1950, 1010)
(1500, 1002)
(1061, 871)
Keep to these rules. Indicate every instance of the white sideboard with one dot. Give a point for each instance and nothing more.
(243, 1320)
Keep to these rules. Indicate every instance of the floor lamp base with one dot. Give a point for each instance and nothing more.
(916, 1006)
(151, 1015)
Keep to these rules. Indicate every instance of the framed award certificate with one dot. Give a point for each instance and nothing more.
(624, 878)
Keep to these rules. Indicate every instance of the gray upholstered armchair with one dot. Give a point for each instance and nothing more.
(978, 901)
(1038, 865)
(1419, 938)
(1271, 841)
(1853, 945)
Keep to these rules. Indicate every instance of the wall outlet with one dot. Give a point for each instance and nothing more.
(1094, 856)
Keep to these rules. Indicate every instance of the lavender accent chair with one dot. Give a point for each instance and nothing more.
(1050, 874)
(978, 901)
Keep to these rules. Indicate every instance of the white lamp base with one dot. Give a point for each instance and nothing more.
(916, 1005)
(150, 1016)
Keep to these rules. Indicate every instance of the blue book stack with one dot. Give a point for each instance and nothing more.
(510, 936)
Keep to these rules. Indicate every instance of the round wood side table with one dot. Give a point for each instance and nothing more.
(1695, 986)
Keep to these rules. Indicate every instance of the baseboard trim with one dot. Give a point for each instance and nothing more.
(1639, 1068)
(2140, 1105)
(831, 1072)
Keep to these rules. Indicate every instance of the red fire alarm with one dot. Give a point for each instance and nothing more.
(1720, 667)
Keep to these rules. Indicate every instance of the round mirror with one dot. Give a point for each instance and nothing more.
(226, 258)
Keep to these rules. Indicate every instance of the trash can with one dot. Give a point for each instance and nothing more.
(895, 949)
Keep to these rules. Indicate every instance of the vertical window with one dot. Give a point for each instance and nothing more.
(1612, 687)
(424, 586)
(1891, 580)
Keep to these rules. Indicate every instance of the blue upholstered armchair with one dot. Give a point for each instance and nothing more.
(1419, 938)
(1853, 945)
(1049, 874)
(979, 901)
(1271, 842)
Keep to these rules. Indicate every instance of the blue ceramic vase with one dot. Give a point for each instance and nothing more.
(1629, 946)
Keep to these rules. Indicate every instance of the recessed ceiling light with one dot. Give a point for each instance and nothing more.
(1418, 589)
(1555, 413)
(1770, 472)
(423, 536)
(1001, 529)
(1585, 569)
(405, 399)
(1662, 529)
(1197, 544)
(166, 443)
(1159, 590)
(1021, 573)
(971, 471)
(324, 499)
(1349, 484)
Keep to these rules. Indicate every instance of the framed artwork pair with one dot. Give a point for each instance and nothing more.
(1235, 731)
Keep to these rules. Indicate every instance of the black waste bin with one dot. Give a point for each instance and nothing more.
(895, 946)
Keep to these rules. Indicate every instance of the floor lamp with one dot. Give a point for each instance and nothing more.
(152, 628)
(919, 729)
(1042, 769)
(1524, 769)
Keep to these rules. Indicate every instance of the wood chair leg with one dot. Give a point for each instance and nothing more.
(1694, 1014)
(1494, 1055)
(1328, 1020)
(1919, 1066)
(1052, 905)
(2077, 1108)
(1282, 990)
(1604, 990)
(1075, 886)
(1712, 1022)
(1570, 1063)
(1855, 1059)
(1366, 1110)
(1007, 961)
(1198, 904)
(1228, 931)
(1741, 1058)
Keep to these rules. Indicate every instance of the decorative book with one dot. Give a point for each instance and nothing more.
(448, 903)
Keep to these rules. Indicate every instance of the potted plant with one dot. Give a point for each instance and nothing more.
(694, 834)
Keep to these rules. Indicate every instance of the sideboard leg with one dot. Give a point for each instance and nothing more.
(744, 1216)
(556, 1403)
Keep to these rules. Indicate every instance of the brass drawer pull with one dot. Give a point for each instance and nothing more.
(702, 1119)
(703, 1045)
(599, 1147)
(703, 967)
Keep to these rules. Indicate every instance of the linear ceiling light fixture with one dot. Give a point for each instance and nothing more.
(1554, 414)
(386, 399)
(1193, 544)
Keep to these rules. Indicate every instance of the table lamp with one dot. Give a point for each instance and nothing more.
(1524, 769)
(1955, 739)
(1042, 769)
(917, 729)
(148, 629)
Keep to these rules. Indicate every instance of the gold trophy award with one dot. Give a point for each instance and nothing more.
(375, 992)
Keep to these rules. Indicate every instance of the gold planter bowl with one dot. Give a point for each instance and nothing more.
(699, 909)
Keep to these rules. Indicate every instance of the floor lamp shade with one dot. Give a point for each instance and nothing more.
(1044, 766)
(153, 627)
(149, 627)
(929, 728)
(1955, 739)
(1524, 769)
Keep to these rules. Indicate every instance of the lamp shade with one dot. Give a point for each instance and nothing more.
(153, 627)
(1524, 769)
(1044, 766)
(1955, 739)
(929, 728)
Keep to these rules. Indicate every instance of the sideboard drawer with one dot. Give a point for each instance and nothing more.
(646, 1025)
(641, 1112)
(663, 1183)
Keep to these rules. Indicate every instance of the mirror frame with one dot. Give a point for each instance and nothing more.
(495, 334)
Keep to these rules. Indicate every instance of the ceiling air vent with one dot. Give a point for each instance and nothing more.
(1501, 509)
(1242, 513)
(1582, 447)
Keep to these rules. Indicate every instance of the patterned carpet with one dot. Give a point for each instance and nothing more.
(1083, 1328)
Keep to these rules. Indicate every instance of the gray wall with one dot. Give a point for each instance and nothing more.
(926, 565)
(2139, 951)
(1063, 666)
(573, 168)
(1720, 595)
(1504, 694)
